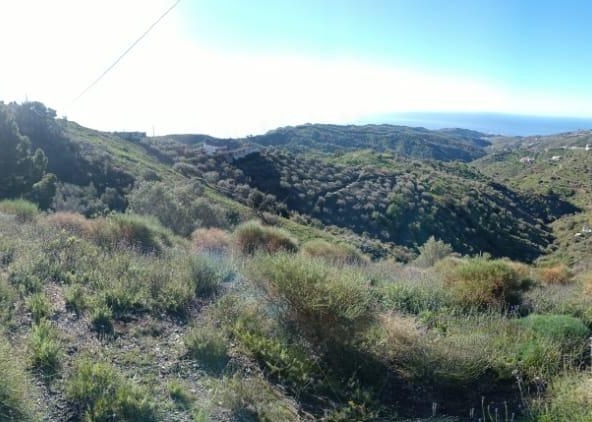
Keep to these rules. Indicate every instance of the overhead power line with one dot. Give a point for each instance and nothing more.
(127, 51)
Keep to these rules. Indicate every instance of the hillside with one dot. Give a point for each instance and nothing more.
(558, 165)
(149, 279)
(444, 145)
(380, 195)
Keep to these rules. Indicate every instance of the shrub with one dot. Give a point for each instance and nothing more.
(40, 306)
(288, 363)
(563, 329)
(101, 393)
(158, 199)
(132, 231)
(72, 222)
(23, 210)
(557, 299)
(178, 394)
(211, 241)
(432, 251)
(209, 346)
(467, 347)
(101, 319)
(75, 298)
(416, 295)
(252, 398)
(325, 303)
(8, 295)
(252, 237)
(480, 283)
(45, 348)
(16, 395)
(569, 398)
(333, 253)
(557, 274)
(205, 275)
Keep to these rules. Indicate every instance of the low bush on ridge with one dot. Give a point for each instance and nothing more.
(478, 283)
(211, 241)
(337, 254)
(252, 237)
(23, 210)
(325, 303)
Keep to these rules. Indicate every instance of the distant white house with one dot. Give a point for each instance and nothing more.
(587, 147)
(212, 149)
(527, 160)
(556, 158)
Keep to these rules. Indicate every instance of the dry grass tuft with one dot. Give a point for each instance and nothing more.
(211, 240)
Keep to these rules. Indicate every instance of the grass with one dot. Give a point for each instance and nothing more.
(252, 398)
(336, 254)
(569, 398)
(100, 393)
(17, 399)
(252, 237)
(209, 346)
(24, 211)
(278, 333)
(45, 348)
(211, 240)
(325, 304)
(479, 282)
(40, 306)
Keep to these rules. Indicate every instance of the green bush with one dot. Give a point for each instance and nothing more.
(209, 346)
(252, 237)
(416, 296)
(100, 393)
(176, 279)
(101, 319)
(16, 392)
(75, 298)
(560, 300)
(40, 306)
(569, 398)
(432, 251)
(23, 210)
(325, 303)
(464, 348)
(8, 296)
(252, 398)
(45, 347)
(206, 275)
(563, 329)
(480, 283)
(288, 363)
(178, 392)
(337, 254)
(131, 231)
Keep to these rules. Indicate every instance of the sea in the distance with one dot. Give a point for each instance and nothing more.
(490, 123)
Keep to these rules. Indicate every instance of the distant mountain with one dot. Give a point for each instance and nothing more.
(490, 123)
(444, 145)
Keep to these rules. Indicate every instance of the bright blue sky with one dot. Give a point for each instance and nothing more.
(541, 44)
(236, 67)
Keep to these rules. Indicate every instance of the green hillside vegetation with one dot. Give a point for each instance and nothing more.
(561, 168)
(175, 334)
(330, 273)
(445, 145)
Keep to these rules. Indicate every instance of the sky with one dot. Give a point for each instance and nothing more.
(235, 67)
